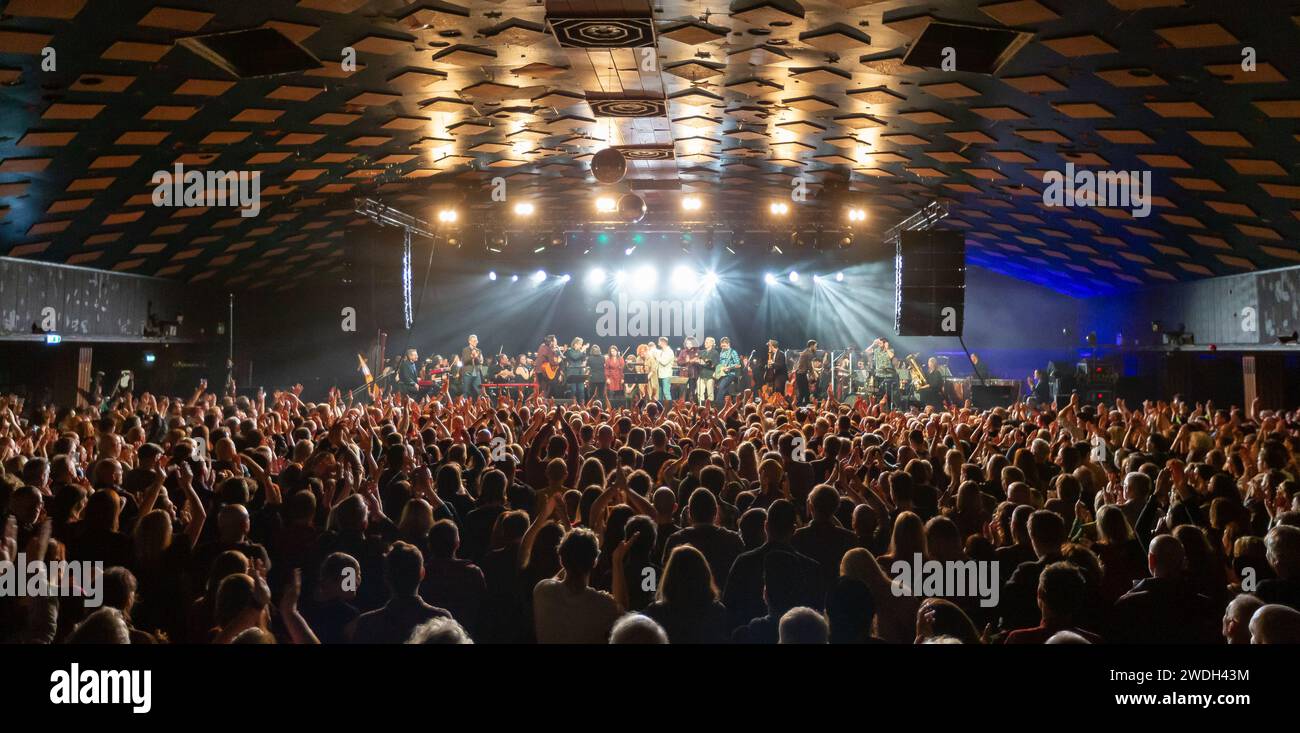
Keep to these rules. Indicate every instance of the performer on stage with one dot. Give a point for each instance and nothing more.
(882, 368)
(523, 369)
(575, 369)
(1040, 389)
(689, 367)
(550, 376)
(819, 380)
(471, 368)
(706, 361)
(802, 370)
(728, 369)
(647, 363)
(596, 367)
(502, 370)
(776, 370)
(408, 374)
(614, 365)
(664, 362)
(932, 394)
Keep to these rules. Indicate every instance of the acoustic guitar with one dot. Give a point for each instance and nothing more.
(550, 369)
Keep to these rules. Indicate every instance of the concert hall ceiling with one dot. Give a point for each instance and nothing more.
(731, 102)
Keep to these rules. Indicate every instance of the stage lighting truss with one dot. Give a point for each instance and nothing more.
(929, 215)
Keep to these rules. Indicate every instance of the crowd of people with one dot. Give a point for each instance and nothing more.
(267, 518)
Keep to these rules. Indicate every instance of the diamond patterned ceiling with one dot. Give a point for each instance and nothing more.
(445, 97)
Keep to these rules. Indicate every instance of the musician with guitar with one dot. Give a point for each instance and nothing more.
(471, 369)
(547, 367)
(727, 371)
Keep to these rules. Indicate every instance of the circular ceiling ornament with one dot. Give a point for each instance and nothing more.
(603, 32)
(608, 166)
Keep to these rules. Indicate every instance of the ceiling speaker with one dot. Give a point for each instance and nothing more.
(631, 208)
(608, 166)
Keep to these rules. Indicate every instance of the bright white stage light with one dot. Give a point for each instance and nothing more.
(606, 204)
(778, 208)
(620, 278)
(692, 203)
(645, 277)
(539, 276)
(447, 216)
(595, 276)
(684, 278)
(710, 280)
(492, 275)
(770, 279)
(564, 278)
(857, 215)
(817, 278)
(524, 208)
(839, 277)
(794, 276)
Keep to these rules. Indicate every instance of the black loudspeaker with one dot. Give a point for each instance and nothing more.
(930, 283)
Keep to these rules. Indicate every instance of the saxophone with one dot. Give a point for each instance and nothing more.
(918, 376)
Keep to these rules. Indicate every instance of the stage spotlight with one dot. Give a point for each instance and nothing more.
(539, 276)
(770, 279)
(564, 278)
(645, 277)
(817, 278)
(839, 277)
(595, 276)
(778, 208)
(514, 278)
(846, 240)
(524, 208)
(447, 216)
(628, 252)
(857, 215)
(606, 204)
(710, 280)
(692, 203)
(684, 279)
(492, 276)
(794, 276)
(620, 277)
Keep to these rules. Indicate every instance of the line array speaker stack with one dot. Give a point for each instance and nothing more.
(930, 283)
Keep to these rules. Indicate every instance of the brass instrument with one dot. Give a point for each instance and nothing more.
(918, 376)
